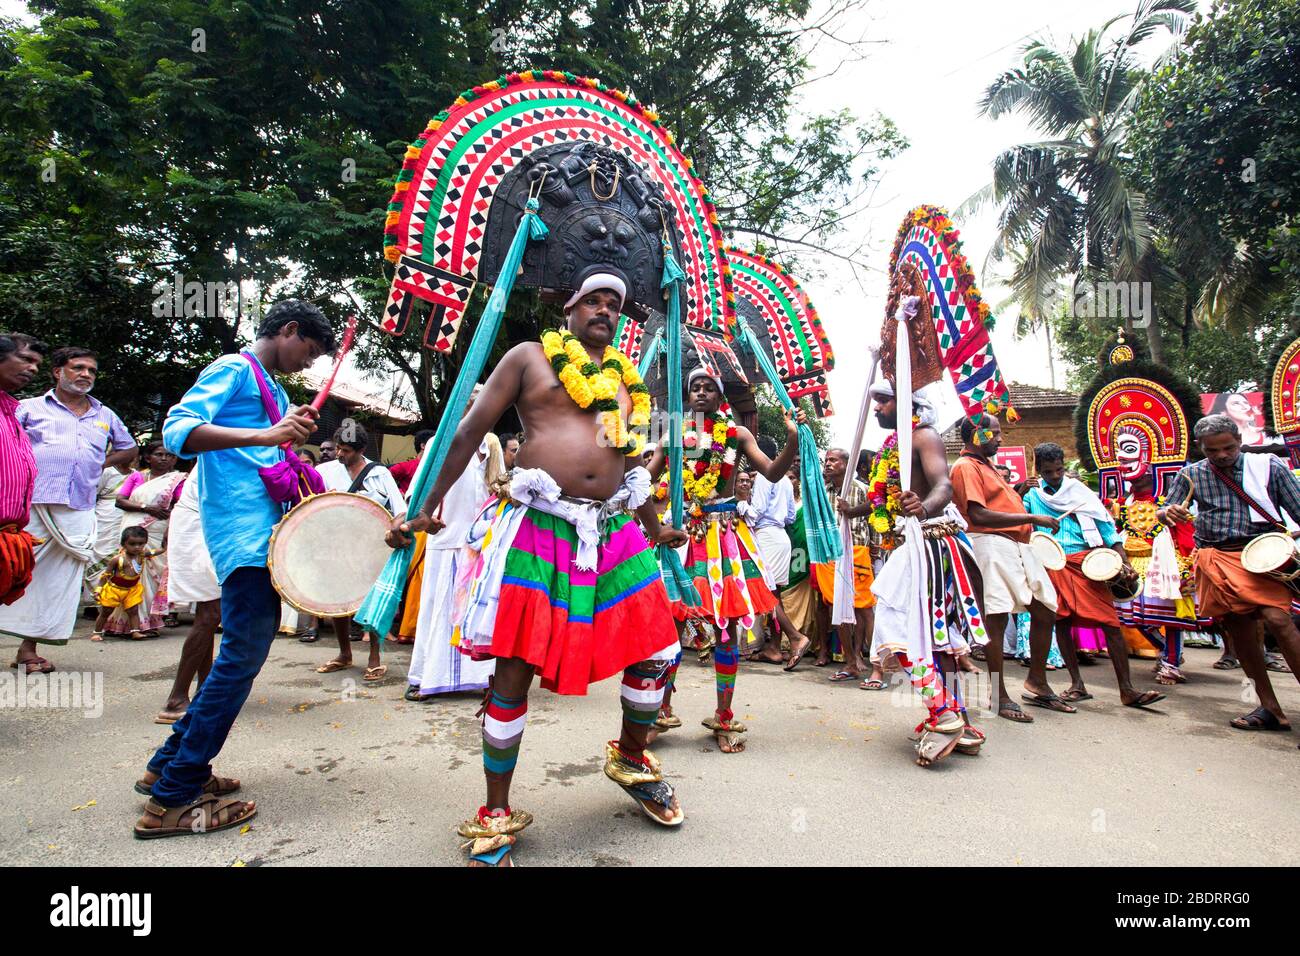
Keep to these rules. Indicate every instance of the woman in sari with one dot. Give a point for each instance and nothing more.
(147, 498)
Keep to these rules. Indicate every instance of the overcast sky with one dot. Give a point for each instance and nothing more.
(928, 77)
(927, 74)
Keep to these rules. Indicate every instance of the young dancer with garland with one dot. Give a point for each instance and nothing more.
(566, 587)
(722, 556)
(931, 557)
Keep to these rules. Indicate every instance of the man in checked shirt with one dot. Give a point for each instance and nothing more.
(1238, 497)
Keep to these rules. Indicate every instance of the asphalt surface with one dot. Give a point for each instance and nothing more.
(346, 773)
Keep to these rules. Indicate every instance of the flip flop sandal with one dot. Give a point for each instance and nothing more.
(96, 636)
(1011, 707)
(1145, 701)
(330, 667)
(168, 716)
(1074, 696)
(1276, 665)
(374, 674)
(840, 677)
(873, 684)
(214, 813)
(1048, 702)
(667, 721)
(1259, 719)
(412, 693)
(1226, 664)
(795, 659)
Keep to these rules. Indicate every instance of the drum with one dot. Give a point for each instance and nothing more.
(327, 552)
(1048, 550)
(1104, 566)
(1273, 555)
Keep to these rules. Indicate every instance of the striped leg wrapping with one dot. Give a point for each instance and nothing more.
(503, 729)
(642, 691)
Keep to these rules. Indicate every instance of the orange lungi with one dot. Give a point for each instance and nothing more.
(1081, 599)
(1223, 586)
(824, 576)
(16, 562)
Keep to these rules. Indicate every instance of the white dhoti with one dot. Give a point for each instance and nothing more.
(1013, 575)
(192, 577)
(47, 612)
(774, 548)
(436, 666)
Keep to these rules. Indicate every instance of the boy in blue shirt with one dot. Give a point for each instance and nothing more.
(224, 422)
(1084, 524)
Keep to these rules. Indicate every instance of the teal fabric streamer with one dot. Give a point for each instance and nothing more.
(381, 603)
(677, 582)
(650, 354)
(820, 521)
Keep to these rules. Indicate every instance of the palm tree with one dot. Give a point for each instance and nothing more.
(1036, 294)
(1068, 201)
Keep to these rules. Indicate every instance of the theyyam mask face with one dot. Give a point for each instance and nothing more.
(1133, 455)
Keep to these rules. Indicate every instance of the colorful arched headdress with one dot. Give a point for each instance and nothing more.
(1135, 415)
(610, 186)
(952, 335)
(1285, 401)
(787, 326)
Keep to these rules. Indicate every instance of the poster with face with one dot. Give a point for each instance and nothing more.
(1244, 408)
(1016, 460)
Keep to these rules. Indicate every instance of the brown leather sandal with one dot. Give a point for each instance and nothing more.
(209, 813)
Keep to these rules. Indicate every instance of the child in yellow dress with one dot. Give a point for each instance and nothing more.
(121, 588)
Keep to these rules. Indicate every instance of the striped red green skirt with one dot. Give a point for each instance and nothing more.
(578, 627)
(728, 574)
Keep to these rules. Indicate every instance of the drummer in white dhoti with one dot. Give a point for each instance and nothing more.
(354, 473)
(73, 438)
(1015, 580)
(436, 666)
(1083, 524)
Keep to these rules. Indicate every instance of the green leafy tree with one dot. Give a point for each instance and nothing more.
(1216, 139)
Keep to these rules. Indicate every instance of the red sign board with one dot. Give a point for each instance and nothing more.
(1013, 457)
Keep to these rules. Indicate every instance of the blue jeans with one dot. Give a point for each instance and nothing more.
(250, 615)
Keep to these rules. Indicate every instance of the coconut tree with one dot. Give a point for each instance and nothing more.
(1069, 200)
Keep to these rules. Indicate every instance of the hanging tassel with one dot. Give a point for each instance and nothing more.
(820, 522)
(677, 582)
(380, 606)
(650, 354)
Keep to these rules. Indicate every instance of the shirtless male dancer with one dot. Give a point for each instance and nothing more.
(578, 596)
(933, 559)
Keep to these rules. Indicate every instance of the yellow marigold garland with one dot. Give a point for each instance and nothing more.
(589, 384)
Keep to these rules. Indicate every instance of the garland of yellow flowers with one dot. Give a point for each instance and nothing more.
(591, 385)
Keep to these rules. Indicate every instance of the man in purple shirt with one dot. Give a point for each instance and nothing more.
(73, 437)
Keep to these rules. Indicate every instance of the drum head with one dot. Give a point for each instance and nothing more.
(328, 551)
(1101, 564)
(1268, 552)
(1048, 550)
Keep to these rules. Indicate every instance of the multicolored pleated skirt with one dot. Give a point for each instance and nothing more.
(728, 574)
(576, 626)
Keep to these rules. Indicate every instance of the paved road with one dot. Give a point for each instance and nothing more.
(348, 774)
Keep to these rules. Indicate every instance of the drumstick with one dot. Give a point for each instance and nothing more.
(345, 346)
